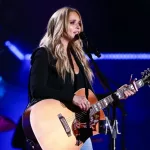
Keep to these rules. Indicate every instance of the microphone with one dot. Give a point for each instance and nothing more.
(87, 46)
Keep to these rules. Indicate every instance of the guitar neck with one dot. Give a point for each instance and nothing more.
(109, 99)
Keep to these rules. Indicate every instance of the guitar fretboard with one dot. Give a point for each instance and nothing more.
(109, 99)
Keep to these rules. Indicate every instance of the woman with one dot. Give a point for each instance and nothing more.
(61, 30)
(60, 69)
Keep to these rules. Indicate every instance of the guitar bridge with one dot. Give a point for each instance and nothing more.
(65, 124)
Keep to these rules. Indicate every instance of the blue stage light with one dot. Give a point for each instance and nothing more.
(27, 57)
(123, 56)
(116, 56)
(14, 50)
(104, 56)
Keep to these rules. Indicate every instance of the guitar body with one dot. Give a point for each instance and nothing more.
(53, 126)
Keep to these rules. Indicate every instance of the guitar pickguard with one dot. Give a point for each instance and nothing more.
(76, 125)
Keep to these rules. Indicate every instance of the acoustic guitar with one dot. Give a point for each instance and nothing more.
(51, 125)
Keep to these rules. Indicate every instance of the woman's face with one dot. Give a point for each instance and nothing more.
(74, 24)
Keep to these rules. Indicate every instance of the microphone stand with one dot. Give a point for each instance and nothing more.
(114, 130)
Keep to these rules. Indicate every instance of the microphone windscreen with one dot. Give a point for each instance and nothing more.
(81, 36)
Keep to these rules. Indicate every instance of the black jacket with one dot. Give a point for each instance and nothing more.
(44, 81)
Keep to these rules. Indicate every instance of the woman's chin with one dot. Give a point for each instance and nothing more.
(71, 38)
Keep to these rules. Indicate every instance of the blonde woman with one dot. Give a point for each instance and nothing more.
(60, 69)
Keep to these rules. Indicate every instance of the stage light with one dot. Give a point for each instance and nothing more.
(104, 56)
(123, 56)
(14, 50)
(116, 56)
(27, 57)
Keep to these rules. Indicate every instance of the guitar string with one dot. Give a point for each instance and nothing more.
(80, 116)
(93, 111)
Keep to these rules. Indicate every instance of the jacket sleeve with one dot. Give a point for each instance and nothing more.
(38, 79)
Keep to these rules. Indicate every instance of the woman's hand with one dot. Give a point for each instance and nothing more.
(81, 102)
(129, 92)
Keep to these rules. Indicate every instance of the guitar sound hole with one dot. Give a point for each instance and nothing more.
(82, 117)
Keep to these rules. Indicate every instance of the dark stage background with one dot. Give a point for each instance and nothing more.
(112, 26)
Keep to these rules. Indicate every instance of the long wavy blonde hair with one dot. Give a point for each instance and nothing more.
(56, 28)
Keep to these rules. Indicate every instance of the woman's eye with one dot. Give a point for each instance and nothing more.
(72, 22)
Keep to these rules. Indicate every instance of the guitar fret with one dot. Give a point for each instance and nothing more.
(105, 102)
(139, 83)
(96, 108)
(91, 111)
(110, 99)
(99, 106)
(102, 104)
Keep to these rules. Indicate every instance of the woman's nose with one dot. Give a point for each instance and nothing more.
(77, 26)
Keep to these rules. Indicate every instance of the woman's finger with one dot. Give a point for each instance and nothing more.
(127, 94)
(83, 104)
(135, 87)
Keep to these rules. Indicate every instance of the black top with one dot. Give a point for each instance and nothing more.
(79, 81)
(44, 81)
